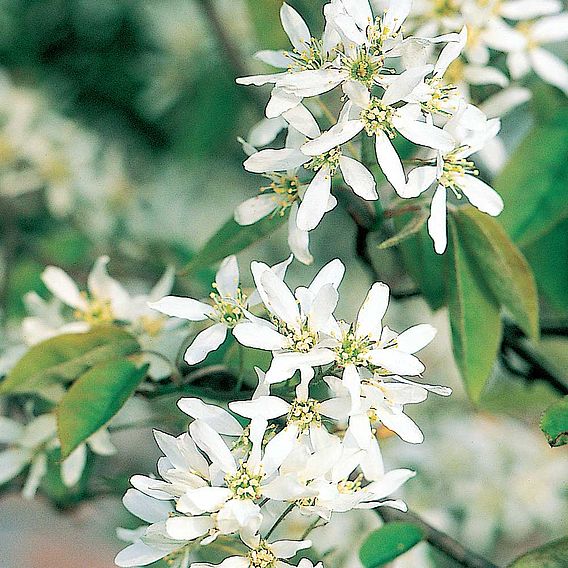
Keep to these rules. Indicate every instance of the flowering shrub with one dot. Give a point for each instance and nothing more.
(393, 113)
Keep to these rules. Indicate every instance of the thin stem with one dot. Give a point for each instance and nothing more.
(439, 540)
(176, 375)
(313, 525)
(279, 520)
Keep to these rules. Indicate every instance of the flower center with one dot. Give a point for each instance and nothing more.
(453, 171)
(245, 483)
(228, 311)
(443, 97)
(377, 117)
(302, 340)
(313, 57)
(362, 68)
(348, 486)
(262, 557)
(329, 159)
(98, 311)
(285, 189)
(304, 413)
(352, 350)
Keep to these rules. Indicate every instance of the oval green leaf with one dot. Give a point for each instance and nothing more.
(65, 357)
(554, 423)
(474, 317)
(389, 542)
(232, 238)
(93, 399)
(502, 266)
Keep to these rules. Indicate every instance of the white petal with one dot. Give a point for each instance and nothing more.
(227, 277)
(102, 286)
(551, 30)
(218, 418)
(550, 68)
(314, 202)
(437, 225)
(265, 407)
(312, 82)
(338, 134)
(37, 470)
(302, 120)
(298, 240)
(139, 554)
(12, 462)
(60, 284)
(528, 9)
(323, 306)
(146, 508)
(419, 180)
(203, 500)
(478, 75)
(352, 381)
(389, 162)
(424, 134)
(188, 528)
(481, 195)
(372, 311)
(254, 209)
(360, 11)
(185, 308)
(213, 445)
(206, 341)
(275, 160)
(289, 548)
(259, 80)
(281, 101)
(274, 58)
(10, 430)
(402, 85)
(258, 336)
(332, 273)
(403, 426)
(358, 178)
(390, 482)
(295, 27)
(396, 361)
(281, 301)
(279, 448)
(72, 467)
(416, 338)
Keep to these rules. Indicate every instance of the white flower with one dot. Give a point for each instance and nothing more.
(299, 334)
(29, 445)
(263, 554)
(367, 344)
(453, 171)
(316, 200)
(530, 54)
(228, 308)
(381, 119)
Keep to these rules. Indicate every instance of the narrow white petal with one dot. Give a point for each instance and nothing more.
(218, 418)
(188, 528)
(184, 308)
(72, 467)
(281, 101)
(338, 134)
(314, 202)
(289, 548)
(389, 162)
(437, 224)
(419, 180)
(146, 508)
(396, 361)
(358, 178)
(275, 160)
(298, 240)
(369, 318)
(402, 85)
(425, 134)
(139, 554)
(550, 68)
(61, 285)
(295, 27)
(302, 120)
(416, 338)
(281, 301)
(481, 195)
(254, 209)
(206, 341)
(227, 277)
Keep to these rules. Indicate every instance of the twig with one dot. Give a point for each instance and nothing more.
(437, 539)
(230, 51)
(279, 520)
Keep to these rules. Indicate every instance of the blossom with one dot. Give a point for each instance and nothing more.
(29, 445)
(380, 119)
(228, 307)
(453, 171)
(263, 554)
(299, 333)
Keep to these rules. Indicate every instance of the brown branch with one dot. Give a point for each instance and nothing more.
(439, 540)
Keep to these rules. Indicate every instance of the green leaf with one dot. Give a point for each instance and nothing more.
(93, 399)
(532, 181)
(389, 542)
(552, 555)
(549, 259)
(554, 423)
(232, 238)
(412, 227)
(502, 266)
(474, 317)
(423, 264)
(65, 357)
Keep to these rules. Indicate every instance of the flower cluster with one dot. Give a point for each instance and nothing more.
(390, 89)
(306, 441)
